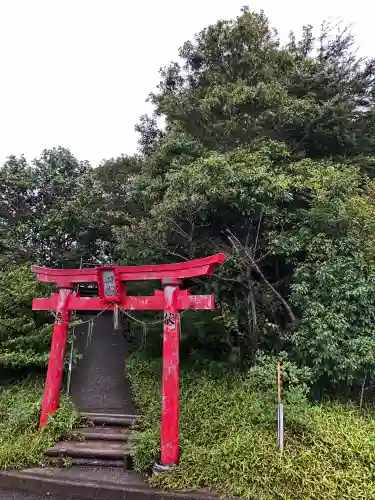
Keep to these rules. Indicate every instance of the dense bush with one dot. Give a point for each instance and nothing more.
(228, 435)
(25, 336)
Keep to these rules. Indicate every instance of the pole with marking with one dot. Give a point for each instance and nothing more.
(55, 369)
(170, 382)
(280, 412)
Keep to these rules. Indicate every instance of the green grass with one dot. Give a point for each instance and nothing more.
(228, 438)
(22, 443)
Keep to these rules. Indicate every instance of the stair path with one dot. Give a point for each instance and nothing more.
(101, 392)
(98, 381)
(104, 443)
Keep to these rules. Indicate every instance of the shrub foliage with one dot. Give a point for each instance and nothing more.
(228, 435)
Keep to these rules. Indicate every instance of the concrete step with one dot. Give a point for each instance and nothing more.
(108, 419)
(92, 450)
(108, 475)
(102, 433)
(91, 483)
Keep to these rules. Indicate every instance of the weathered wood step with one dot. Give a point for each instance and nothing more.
(93, 462)
(115, 419)
(103, 450)
(103, 433)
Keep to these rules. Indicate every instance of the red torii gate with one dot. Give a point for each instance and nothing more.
(111, 281)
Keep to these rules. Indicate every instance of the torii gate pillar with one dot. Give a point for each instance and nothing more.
(171, 375)
(111, 283)
(55, 369)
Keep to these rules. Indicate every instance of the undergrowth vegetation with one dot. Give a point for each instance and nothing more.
(22, 443)
(228, 434)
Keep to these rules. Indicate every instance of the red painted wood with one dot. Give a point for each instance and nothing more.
(139, 303)
(172, 299)
(52, 390)
(58, 276)
(204, 261)
(190, 269)
(170, 381)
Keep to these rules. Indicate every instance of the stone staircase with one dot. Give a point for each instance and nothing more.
(103, 443)
(101, 392)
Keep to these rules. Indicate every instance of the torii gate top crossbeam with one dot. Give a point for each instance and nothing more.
(190, 269)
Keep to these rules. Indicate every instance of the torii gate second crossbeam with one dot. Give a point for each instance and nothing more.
(111, 281)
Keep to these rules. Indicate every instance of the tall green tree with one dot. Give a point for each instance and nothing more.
(53, 209)
(235, 83)
(265, 149)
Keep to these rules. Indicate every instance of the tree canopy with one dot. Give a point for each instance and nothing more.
(266, 153)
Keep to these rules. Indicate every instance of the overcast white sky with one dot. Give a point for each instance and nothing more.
(76, 73)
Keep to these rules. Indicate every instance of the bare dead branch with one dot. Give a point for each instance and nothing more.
(238, 245)
(362, 392)
(258, 230)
